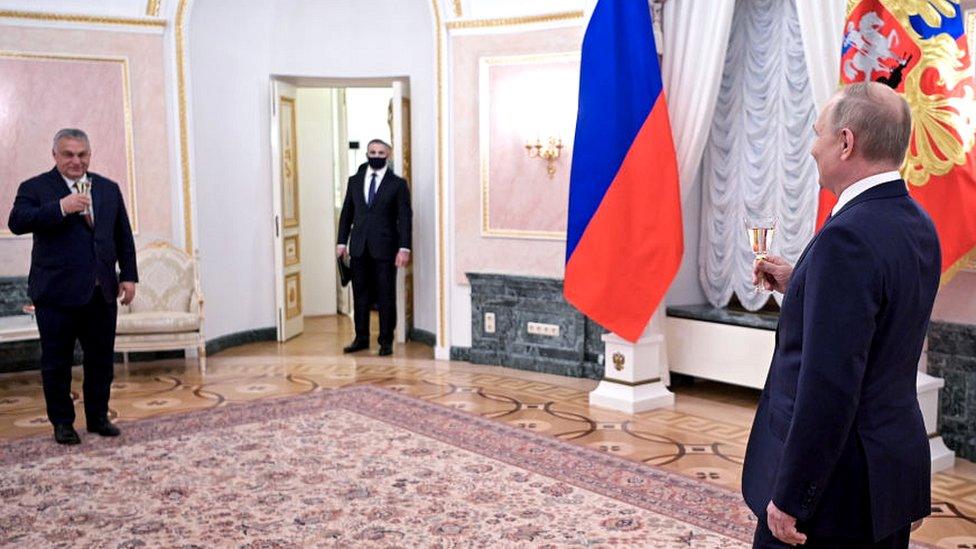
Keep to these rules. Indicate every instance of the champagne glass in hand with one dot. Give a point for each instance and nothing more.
(84, 188)
(760, 229)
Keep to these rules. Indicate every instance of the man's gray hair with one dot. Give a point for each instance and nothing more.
(69, 133)
(881, 130)
(381, 142)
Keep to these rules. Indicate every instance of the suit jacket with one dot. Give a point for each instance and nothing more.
(838, 440)
(68, 256)
(381, 228)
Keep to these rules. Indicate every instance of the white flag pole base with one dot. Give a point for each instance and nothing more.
(927, 388)
(632, 400)
(635, 374)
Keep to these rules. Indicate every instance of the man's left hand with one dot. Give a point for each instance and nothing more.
(402, 258)
(783, 526)
(127, 291)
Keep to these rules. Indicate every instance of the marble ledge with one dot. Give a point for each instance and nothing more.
(707, 313)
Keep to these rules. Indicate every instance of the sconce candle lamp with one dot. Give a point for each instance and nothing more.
(549, 152)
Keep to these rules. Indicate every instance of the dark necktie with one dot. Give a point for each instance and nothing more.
(372, 190)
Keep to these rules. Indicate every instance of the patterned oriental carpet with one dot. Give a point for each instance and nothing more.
(359, 466)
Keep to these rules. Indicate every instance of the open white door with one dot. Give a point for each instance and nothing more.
(400, 131)
(287, 241)
(341, 167)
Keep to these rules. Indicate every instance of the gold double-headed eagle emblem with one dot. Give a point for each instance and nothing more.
(943, 102)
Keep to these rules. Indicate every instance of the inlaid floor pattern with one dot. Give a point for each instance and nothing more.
(704, 436)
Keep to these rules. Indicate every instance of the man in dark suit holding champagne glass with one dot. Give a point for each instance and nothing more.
(81, 231)
(838, 455)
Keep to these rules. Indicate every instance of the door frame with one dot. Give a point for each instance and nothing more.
(401, 83)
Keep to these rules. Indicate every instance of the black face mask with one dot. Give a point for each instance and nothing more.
(376, 162)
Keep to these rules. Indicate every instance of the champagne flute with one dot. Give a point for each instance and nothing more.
(760, 229)
(84, 188)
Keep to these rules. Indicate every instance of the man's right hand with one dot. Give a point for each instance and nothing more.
(774, 273)
(74, 203)
(341, 250)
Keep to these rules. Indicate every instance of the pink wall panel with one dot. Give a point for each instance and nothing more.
(524, 198)
(40, 96)
(49, 80)
(528, 100)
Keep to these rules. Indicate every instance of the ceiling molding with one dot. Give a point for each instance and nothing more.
(515, 21)
(80, 18)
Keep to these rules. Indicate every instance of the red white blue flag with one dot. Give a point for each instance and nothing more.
(624, 234)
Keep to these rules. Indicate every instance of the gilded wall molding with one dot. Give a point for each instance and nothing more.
(516, 21)
(180, 25)
(152, 8)
(457, 9)
(442, 336)
(123, 62)
(79, 18)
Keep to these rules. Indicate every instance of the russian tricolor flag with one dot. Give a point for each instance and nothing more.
(624, 234)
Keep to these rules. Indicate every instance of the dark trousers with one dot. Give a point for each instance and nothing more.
(764, 539)
(374, 281)
(94, 326)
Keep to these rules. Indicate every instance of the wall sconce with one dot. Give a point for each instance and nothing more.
(548, 152)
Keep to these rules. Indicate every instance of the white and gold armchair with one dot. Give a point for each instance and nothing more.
(167, 312)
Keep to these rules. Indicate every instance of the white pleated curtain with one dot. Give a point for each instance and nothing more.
(696, 34)
(757, 158)
(821, 27)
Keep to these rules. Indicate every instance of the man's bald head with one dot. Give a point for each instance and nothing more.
(879, 118)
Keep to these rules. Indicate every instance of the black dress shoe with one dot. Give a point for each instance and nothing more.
(386, 350)
(355, 346)
(104, 428)
(65, 433)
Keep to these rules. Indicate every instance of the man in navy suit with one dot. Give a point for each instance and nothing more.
(81, 230)
(376, 222)
(838, 455)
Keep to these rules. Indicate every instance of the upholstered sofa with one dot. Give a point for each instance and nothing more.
(167, 312)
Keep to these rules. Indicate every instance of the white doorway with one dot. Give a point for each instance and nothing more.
(334, 121)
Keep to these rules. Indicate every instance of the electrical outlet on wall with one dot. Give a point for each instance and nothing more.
(539, 328)
(489, 323)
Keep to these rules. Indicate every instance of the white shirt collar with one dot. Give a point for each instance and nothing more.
(380, 173)
(71, 182)
(862, 185)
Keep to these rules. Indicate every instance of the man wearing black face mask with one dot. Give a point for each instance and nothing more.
(376, 223)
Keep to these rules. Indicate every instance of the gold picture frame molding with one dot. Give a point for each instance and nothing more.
(296, 311)
(286, 221)
(123, 62)
(296, 258)
(484, 140)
